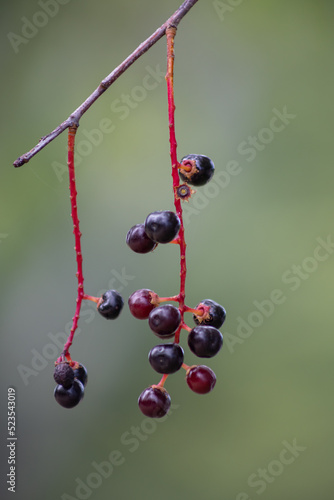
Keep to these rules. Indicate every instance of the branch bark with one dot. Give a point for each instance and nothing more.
(74, 118)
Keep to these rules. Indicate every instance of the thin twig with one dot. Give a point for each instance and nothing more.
(74, 118)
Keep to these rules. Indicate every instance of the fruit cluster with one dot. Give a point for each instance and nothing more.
(71, 379)
(165, 320)
(70, 375)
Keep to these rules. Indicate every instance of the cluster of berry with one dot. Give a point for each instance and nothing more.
(71, 376)
(166, 321)
(71, 379)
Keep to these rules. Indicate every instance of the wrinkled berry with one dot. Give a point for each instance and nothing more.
(64, 375)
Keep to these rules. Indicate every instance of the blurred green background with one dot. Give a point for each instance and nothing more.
(253, 238)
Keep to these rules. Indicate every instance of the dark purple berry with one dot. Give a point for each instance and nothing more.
(215, 317)
(141, 303)
(110, 305)
(138, 240)
(162, 227)
(64, 375)
(166, 358)
(202, 169)
(68, 398)
(164, 320)
(201, 379)
(205, 341)
(154, 402)
(80, 374)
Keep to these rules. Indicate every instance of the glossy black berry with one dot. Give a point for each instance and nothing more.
(216, 316)
(202, 169)
(166, 358)
(201, 379)
(205, 341)
(162, 227)
(164, 320)
(68, 398)
(154, 402)
(80, 374)
(110, 305)
(141, 302)
(64, 375)
(138, 240)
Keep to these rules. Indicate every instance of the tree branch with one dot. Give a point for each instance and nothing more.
(74, 118)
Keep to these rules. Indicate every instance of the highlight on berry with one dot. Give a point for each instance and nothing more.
(163, 226)
(110, 304)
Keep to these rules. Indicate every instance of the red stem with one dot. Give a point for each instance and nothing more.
(200, 311)
(77, 234)
(186, 327)
(91, 298)
(170, 35)
(162, 381)
(174, 298)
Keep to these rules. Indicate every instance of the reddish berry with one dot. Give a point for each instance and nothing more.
(138, 240)
(141, 303)
(164, 320)
(201, 379)
(154, 402)
(162, 227)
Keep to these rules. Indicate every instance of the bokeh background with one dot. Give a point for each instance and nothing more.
(262, 231)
